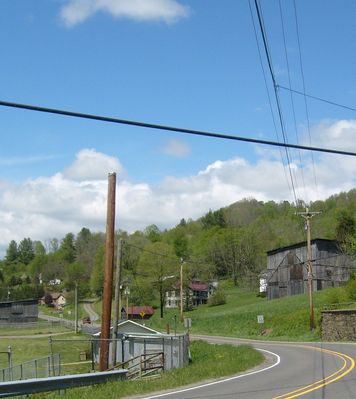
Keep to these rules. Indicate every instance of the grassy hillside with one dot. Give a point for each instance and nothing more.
(284, 319)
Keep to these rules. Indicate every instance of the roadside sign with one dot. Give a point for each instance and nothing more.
(260, 319)
(187, 322)
(142, 314)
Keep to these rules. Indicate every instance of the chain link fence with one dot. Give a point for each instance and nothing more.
(48, 366)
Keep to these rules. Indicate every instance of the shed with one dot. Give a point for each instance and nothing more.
(287, 272)
(25, 311)
(135, 339)
(137, 312)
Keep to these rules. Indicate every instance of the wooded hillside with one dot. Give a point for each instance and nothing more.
(227, 243)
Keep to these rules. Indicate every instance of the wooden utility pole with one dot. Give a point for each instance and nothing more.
(181, 290)
(108, 273)
(117, 300)
(307, 215)
(75, 307)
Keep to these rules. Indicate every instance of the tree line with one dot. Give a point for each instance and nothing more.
(226, 243)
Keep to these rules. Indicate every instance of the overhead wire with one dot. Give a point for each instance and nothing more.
(269, 60)
(291, 97)
(175, 129)
(303, 82)
(268, 94)
(347, 107)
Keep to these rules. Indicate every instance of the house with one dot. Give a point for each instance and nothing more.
(58, 300)
(25, 311)
(287, 271)
(137, 312)
(197, 293)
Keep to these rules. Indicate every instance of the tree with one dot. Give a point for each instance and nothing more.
(153, 233)
(346, 231)
(12, 252)
(67, 248)
(97, 276)
(158, 264)
(39, 248)
(26, 251)
(216, 218)
(74, 273)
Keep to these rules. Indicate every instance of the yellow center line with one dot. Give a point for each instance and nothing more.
(325, 381)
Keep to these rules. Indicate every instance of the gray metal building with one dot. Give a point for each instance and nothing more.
(287, 272)
(19, 311)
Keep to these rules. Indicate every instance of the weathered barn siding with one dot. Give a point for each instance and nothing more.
(19, 311)
(288, 273)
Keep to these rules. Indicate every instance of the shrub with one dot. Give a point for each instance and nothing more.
(218, 298)
(351, 290)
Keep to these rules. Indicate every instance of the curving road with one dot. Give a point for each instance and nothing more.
(291, 370)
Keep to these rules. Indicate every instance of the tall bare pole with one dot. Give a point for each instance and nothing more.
(76, 307)
(108, 273)
(307, 215)
(117, 300)
(181, 289)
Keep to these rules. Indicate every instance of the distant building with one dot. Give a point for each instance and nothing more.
(138, 341)
(25, 311)
(137, 312)
(197, 293)
(58, 300)
(287, 272)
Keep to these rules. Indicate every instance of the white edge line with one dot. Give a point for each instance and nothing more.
(221, 381)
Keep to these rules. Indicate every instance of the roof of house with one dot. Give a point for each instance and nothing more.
(136, 310)
(198, 286)
(131, 327)
(56, 295)
(301, 244)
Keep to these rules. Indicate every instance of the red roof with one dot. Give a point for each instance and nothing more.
(196, 286)
(136, 310)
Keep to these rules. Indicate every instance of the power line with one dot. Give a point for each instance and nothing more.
(170, 128)
(269, 59)
(317, 98)
(291, 94)
(303, 81)
(268, 94)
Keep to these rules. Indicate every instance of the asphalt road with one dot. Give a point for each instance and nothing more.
(291, 370)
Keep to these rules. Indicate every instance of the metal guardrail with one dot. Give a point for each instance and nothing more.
(34, 385)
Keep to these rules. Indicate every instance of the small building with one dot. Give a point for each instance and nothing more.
(58, 300)
(197, 293)
(135, 339)
(137, 312)
(25, 311)
(287, 269)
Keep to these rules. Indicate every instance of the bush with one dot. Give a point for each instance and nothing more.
(218, 298)
(351, 290)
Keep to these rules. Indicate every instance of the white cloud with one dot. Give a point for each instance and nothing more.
(176, 148)
(169, 11)
(65, 202)
(92, 165)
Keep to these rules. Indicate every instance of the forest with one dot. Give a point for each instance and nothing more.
(228, 243)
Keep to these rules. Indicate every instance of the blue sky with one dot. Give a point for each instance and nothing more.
(191, 64)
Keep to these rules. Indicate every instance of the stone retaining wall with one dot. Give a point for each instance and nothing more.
(338, 325)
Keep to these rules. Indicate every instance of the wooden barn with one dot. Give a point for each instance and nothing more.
(25, 311)
(287, 272)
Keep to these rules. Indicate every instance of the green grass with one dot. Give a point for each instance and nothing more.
(230, 360)
(43, 327)
(26, 349)
(284, 319)
(67, 313)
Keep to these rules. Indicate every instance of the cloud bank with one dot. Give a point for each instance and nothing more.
(52, 206)
(168, 11)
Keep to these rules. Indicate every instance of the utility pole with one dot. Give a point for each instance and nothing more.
(181, 289)
(108, 273)
(307, 215)
(76, 307)
(117, 300)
